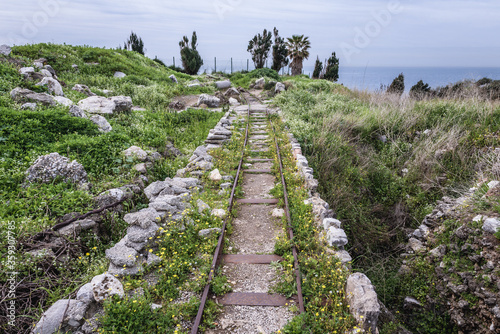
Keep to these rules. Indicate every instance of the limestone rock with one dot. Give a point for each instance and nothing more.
(209, 100)
(119, 74)
(83, 89)
(221, 213)
(153, 259)
(86, 294)
(110, 196)
(223, 84)
(49, 167)
(202, 206)
(76, 111)
(26, 72)
(46, 73)
(105, 286)
(343, 256)
(329, 222)
(171, 151)
(259, 84)
(143, 218)
(416, 245)
(51, 70)
(173, 78)
(208, 233)
(106, 105)
(278, 213)
(121, 255)
(136, 152)
(137, 234)
(53, 85)
(63, 101)
(25, 95)
(101, 122)
(234, 102)
(336, 237)
(215, 175)
(76, 227)
(232, 92)
(411, 303)
(5, 50)
(30, 106)
(64, 315)
(280, 87)
(362, 297)
(491, 225)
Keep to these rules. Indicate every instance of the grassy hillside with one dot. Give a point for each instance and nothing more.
(382, 163)
(25, 135)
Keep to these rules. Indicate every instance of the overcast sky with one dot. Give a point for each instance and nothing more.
(362, 32)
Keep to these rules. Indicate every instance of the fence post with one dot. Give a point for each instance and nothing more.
(231, 65)
(215, 64)
(174, 60)
(247, 65)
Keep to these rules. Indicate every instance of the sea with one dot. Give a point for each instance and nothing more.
(371, 78)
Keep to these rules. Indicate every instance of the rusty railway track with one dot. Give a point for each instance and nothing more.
(252, 299)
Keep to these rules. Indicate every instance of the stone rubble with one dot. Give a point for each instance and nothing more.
(49, 167)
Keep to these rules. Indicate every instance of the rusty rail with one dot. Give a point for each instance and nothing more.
(218, 252)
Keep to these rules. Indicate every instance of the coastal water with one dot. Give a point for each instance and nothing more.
(370, 78)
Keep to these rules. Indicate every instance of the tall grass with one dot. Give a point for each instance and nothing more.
(383, 161)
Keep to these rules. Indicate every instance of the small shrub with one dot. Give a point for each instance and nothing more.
(397, 86)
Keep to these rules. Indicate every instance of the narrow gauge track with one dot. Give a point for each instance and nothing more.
(242, 298)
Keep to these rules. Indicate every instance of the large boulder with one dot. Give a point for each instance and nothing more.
(106, 105)
(102, 123)
(25, 95)
(26, 71)
(53, 85)
(121, 255)
(53, 166)
(209, 100)
(173, 78)
(143, 218)
(5, 50)
(65, 315)
(363, 300)
(119, 74)
(50, 69)
(83, 89)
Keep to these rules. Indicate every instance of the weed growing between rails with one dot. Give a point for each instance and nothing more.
(177, 281)
(323, 276)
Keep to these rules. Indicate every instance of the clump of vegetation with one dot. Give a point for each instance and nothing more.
(280, 53)
(318, 68)
(134, 43)
(191, 59)
(332, 68)
(420, 91)
(397, 86)
(298, 49)
(259, 47)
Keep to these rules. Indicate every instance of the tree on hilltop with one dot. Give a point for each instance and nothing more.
(420, 90)
(134, 43)
(318, 68)
(191, 59)
(259, 47)
(332, 68)
(280, 52)
(298, 49)
(397, 86)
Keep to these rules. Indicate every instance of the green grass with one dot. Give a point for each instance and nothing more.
(362, 177)
(26, 135)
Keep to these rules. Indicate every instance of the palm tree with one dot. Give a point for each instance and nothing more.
(298, 49)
